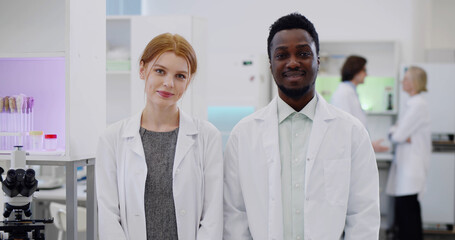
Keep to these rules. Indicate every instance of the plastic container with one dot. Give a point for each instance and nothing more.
(50, 142)
(36, 140)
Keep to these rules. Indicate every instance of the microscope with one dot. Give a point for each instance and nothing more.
(19, 186)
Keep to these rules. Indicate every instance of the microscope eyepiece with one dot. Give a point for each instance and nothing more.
(29, 177)
(11, 180)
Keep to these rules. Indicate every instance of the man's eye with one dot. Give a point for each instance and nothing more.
(305, 54)
(280, 56)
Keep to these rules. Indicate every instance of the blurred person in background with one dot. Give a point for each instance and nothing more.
(345, 97)
(408, 173)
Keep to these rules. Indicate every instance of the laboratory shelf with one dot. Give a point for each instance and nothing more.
(118, 73)
(384, 157)
(33, 54)
(388, 113)
(38, 155)
(56, 53)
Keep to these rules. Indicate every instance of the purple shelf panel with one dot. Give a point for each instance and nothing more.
(43, 79)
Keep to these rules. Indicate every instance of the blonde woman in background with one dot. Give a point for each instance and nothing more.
(408, 173)
(159, 173)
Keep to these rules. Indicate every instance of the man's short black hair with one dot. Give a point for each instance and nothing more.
(292, 21)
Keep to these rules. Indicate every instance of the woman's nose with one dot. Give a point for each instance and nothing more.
(169, 82)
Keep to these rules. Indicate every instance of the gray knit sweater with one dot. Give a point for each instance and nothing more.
(159, 149)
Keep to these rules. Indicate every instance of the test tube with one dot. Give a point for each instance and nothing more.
(20, 120)
(13, 123)
(30, 102)
(7, 121)
(24, 126)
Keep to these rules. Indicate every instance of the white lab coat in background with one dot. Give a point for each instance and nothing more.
(346, 98)
(341, 178)
(409, 169)
(121, 173)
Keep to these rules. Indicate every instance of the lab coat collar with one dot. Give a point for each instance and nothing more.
(187, 128)
(132, 135)
(322, 111)
(185, 139)
(268, 116)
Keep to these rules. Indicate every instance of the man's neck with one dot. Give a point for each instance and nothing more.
(297, 104)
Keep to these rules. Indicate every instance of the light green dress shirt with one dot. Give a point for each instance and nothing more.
(294, 133)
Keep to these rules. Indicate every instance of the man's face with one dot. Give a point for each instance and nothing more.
(294, 63)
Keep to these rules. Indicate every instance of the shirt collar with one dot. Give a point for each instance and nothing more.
(284, 110)
(349, 83)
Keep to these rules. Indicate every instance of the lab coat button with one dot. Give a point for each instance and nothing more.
(308, 159)
(297, 185)
(297, 211)
(296, 134)
(307, 198)
(298, 237)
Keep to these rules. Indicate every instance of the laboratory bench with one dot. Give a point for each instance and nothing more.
(71, 192)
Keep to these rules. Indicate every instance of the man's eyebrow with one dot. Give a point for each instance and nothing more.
(281, 48)
(303, 46)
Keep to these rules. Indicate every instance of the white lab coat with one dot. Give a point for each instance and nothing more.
(121, 173)
(346, 98)
(409, 169)
(341, 178)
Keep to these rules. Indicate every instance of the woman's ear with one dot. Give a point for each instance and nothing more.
(142, 68)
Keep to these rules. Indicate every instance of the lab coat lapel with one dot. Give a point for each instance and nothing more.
(185, 139)
(270, 140)
(132, 136)
(320, 124)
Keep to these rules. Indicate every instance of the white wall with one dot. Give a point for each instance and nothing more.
(241, 27)
(441, 24)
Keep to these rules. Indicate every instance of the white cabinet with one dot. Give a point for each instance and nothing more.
(127, 36)
(53, 50)
(382, 69)
(438, 201)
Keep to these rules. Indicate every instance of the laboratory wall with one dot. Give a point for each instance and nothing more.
(241, 27)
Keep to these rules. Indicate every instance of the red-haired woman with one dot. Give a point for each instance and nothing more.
(159, 174)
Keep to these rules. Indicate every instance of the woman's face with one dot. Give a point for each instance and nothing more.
(359, 78)
(407, 83)
(166, 79)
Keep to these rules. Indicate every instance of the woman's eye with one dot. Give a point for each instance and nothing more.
(160, 71)
(181, 76)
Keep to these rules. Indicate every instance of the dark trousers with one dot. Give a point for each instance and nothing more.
(408, 219)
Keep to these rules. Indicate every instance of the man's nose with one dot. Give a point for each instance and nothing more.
(292, 63)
